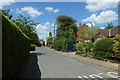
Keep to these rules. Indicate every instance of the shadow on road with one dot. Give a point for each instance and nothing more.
(31, 68)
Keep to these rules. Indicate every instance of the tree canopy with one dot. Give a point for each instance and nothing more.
(64, 24)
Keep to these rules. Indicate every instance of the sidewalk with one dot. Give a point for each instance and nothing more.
(102, 64)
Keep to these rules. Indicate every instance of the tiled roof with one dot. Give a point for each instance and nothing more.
(109, 32)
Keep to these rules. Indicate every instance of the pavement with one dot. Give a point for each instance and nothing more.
(47, 63)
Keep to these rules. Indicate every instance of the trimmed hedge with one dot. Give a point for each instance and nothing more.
(103, 48)
(60, 44)
(15, 47)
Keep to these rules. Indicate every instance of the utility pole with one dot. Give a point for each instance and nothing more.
(54, 31)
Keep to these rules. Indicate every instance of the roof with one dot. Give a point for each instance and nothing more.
(109, 32)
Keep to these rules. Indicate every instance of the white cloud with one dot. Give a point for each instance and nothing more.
(30, 11)
(103, 17)
(100, 5)
(90, 24)
(102, 27)
(6, 3)
(43, 29)
(51, 9)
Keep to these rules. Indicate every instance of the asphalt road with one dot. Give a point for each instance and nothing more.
(46, 63)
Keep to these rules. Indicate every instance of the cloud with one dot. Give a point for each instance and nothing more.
(44, 29)
(100, 5)
(90, 24)
(6, 3)
(30, 11)
(103, 17)
(51, 9)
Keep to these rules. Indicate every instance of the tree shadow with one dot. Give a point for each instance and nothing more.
(30, 68)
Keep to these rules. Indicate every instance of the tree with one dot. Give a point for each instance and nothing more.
(71, 34)
(64, 24)
(109, 26)
(7, 13)
(89, 33)
(49, 39)
(28, 27)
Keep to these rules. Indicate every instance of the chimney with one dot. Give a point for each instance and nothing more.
(109, 32)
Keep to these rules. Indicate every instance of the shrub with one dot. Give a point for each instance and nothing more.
(32, 47)
(61, 44)
(103, 48)
(15, 47)
(79, 48)
(116, 46)
(58, 44)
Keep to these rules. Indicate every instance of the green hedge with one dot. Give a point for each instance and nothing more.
(60, 44)
(80, 47)
(103, 48)
(116, 46)
(15, 47)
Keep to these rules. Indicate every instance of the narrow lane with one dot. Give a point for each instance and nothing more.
(54, 65)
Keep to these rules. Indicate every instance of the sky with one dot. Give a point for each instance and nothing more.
(45, 13)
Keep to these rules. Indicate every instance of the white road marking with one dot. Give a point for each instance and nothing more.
(112, 74)
(85, 77)
(95, 75)
(99, 75)
(79, 77)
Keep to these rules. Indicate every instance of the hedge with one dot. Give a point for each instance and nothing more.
(103, 48)
(60, 44)
(15, 47)
(116, 46)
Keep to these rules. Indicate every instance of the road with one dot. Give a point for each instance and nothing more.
(46, 63)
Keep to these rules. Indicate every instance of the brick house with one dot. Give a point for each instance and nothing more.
(101, 32)
(80, 28)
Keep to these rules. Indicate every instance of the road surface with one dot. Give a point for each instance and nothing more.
(46, 63)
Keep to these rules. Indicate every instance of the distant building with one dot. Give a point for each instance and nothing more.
(80, 28)
(109, 32)
(41, 41)
(101, 32)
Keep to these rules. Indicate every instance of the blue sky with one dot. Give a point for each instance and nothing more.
(98, 13)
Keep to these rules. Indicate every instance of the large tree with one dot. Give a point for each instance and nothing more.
(64, 24)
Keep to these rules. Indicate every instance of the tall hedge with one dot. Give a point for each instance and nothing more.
(103, 48)
(15, 47)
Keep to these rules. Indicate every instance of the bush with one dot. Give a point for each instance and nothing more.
(116, 46)
(80, 48)
(58, 44)
(32, 47)
(15, 47)
(103, 48)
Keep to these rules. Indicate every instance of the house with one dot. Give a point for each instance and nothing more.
(109, 32)
(41, 41)
(80, 28)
